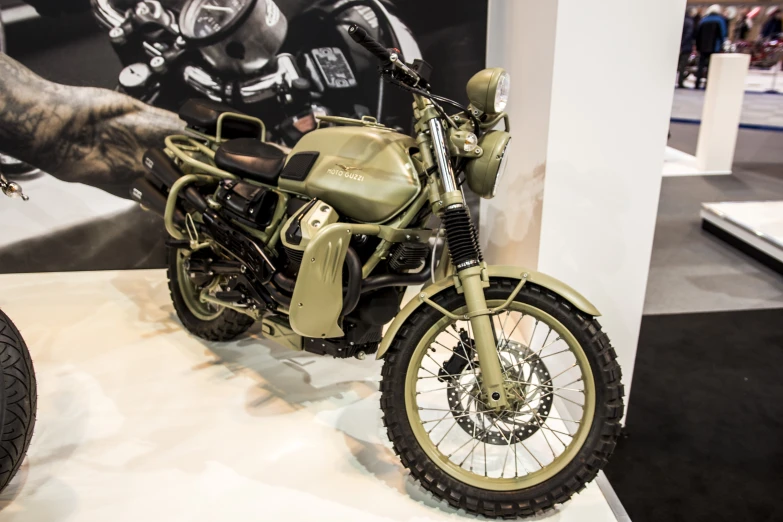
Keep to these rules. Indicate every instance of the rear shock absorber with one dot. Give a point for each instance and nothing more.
(461, 238)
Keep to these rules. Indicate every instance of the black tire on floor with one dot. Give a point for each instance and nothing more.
(227, 326)
(18, 400)
(592, 457)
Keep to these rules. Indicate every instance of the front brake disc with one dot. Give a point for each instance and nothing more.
(527, 378)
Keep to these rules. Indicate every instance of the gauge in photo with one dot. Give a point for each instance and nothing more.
(205, 20)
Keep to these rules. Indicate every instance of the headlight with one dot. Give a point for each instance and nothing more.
(488, 90)
(484, 173)
(501, 92)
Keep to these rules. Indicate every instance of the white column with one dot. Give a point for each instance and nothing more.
(721, 113)
(511, 222)
(597, 165)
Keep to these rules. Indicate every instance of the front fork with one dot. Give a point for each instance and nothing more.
(484, 338)
(466, 257)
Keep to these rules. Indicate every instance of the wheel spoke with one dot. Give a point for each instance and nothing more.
(548, 386)
(558, 395)
(561, 373)
(542, 427)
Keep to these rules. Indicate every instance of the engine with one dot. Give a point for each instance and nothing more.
(240, 270)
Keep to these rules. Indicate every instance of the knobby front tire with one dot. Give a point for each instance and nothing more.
(414, 379)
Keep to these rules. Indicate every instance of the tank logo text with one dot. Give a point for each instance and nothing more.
(344, 171)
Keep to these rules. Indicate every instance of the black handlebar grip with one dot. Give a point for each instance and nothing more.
(361, 37)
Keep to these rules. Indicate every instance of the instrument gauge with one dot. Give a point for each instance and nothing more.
(208, 21)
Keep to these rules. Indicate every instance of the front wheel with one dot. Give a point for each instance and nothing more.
(565, 398)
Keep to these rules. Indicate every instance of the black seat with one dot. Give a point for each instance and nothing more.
(202, 115)
(250, 158)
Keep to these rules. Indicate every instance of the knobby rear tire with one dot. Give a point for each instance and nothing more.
(225, 327)
(18, 402)
(591, 458)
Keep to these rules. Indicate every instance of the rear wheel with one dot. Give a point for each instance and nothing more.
(18, 400)
(205, 320)
(562, 422)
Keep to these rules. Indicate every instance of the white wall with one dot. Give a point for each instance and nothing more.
(611, 91)
(527, 51)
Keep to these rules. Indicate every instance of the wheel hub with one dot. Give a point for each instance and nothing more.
(526, 381)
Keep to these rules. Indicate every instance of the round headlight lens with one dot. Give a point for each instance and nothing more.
(502, 92)
(501, 169)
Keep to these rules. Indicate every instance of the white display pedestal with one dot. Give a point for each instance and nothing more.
(722, 110)
(140, 421)
(756, 224)
(590, 120)
(678, 163)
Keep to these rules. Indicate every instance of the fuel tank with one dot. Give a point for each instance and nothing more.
(365, 173)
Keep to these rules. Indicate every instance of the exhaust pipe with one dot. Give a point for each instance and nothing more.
(144, 193)
(161, 167)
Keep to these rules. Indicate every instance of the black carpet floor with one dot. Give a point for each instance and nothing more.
(704, 434)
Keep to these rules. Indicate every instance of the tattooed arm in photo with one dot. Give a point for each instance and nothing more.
(78, 134)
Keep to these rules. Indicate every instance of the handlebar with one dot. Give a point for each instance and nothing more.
(389, 57)
(361, 37)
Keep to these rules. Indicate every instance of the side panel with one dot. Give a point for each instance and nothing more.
(510, 272)
(318, 294)
(365, 173)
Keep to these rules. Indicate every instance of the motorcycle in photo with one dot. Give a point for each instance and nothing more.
(246, 53)
(500, 392)
(18, 394)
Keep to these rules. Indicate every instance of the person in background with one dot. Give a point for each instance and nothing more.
(773, 26)
(696, 15)
(710, 35)
(686, 47)
(743, 27)
(729, 15)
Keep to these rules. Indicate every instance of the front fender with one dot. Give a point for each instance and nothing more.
(508, 272)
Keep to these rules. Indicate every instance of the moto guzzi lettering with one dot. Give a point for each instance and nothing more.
(346, 173)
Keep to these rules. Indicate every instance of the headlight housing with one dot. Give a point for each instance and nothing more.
(488, 90)
(485, 172)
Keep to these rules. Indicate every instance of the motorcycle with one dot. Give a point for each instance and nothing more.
(764, 53)
(18, 396)
(500, 392)
(248, 54)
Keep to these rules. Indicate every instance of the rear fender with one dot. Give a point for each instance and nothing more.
(507, 272)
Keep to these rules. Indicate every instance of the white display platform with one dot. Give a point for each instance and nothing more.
(679, 163)
(138, 420)
(758, 224)
(757, 81)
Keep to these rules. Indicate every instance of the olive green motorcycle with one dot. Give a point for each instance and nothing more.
(499, 390)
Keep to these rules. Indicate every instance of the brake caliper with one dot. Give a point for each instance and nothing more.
(464, 352)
